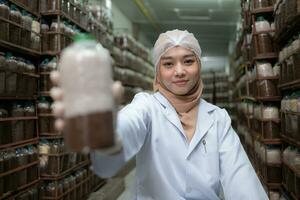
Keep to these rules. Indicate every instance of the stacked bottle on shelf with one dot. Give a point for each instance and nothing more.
(287, 15)
(19, 27)
(132, 66)
(72, 10)
(275, 130)
(18, 169)
(17, 76)
(73, 186)
(18, 118)
(208, 82)
(289, 57)
(100, 25)
(259, 118)
(222, 87)
(291, 170)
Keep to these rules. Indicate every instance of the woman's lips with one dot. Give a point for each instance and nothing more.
(181, 82)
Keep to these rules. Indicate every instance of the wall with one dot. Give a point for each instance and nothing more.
(120, 22)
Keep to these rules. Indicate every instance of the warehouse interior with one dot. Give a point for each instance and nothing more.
(250, 66)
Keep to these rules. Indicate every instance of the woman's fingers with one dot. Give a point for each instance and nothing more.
(118, 91)
(59, 124)
(58, 109)
(55, 77)
(56, 93)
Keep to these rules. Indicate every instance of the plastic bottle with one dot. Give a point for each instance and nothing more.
(18, 125)
(53, 38)
(15, 31)
(44, 107)
(11, 75)
(31, 82)
(4, 26)
(86, 73)
(29, 126)
(26, 34)
(5, 134)
(45, 37)
(35, 38)
(2, 73)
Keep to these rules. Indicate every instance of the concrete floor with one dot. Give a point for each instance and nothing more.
(129, 184)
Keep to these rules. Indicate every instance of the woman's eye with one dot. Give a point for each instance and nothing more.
(189, 61)
(168, 64)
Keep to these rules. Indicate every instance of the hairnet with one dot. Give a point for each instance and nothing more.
(174, 38)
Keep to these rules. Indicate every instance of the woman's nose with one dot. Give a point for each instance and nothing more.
(179, 71)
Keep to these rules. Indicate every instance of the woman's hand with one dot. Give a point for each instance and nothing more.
(58, 107)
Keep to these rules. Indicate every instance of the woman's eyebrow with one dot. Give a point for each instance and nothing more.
(166, 57)
(188, 55)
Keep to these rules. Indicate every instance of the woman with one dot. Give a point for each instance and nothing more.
(185, 147)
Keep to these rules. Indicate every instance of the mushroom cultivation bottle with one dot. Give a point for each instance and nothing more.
(86, 73)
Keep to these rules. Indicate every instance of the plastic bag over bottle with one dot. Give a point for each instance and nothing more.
(86, 79)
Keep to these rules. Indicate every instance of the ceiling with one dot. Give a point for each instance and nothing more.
(213, 22)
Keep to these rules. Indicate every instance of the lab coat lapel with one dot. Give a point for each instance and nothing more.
(169, 112)
(204, 122)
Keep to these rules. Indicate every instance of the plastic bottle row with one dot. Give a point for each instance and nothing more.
(10, 160)
(207, 78)
(268, 159)
(265, 37)
(126, 59)
(13, 77)
(291, 103)
(263, 69)
(71, 8)
(292, 47)
(291, 170)
(32, 5)
(264, 88)
(32, 194)
(131, 78)
(45, 68)
(94, 181)
(290, 70)
(263, 3)
(101, 14)
(290, 126)
(264, 119)
(101, 34)
(46, 120)
(53, 157)
(127, 42)
(290, 108)
(74, 187)
(285, 12)
(19, 27)
(13, 131)
(57, 36)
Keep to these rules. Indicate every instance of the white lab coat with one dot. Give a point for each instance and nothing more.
(168, 167)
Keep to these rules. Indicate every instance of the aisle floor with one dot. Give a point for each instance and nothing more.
(129, 184)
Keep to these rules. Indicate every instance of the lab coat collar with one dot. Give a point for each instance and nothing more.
(204, 120)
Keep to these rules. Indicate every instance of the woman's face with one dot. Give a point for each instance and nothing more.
(179, 70)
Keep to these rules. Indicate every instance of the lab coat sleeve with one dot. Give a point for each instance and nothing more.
(132, 124)
(238, 177)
